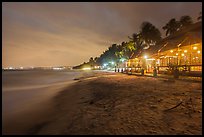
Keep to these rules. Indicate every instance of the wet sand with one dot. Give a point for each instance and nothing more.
(116, 104)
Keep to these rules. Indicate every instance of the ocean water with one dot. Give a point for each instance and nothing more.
(15, 80)
(26, 93)
(28, 96)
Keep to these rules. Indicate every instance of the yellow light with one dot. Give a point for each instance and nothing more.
(176, 54)
(194, 48)
(182, 54)
(145, 57)
(151, 59)
(86, 68)
(198, 51)
(185, 51)
(171, 51)
(196, 44)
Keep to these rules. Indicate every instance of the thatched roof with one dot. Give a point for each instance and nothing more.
(190, 35)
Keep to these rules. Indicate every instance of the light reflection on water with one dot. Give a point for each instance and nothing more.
(21, 79)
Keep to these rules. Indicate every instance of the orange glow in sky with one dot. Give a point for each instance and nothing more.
(57, 34)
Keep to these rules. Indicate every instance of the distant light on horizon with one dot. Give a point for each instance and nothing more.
(10, 68)
(56, 68)
(87, 68)
(96, 67)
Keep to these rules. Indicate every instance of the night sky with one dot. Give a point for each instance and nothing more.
(57, 34)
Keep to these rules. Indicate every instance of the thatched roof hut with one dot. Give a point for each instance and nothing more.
(187, 36)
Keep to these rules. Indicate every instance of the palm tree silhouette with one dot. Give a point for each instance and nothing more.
(186, 21)
(171, 27)
(150, 34)
(200, 16)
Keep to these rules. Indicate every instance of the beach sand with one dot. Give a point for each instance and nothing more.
(120, 104)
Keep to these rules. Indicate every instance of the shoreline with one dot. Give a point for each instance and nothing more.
(31, 111)
(120, 104)
(28, 106)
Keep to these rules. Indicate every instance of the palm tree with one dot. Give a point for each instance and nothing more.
(150, 34)
(128, 49)
(136, 38)
(91, 62)
(186, 21)
(121, 50)
(200, 16)
(125, 50)
(171, 27)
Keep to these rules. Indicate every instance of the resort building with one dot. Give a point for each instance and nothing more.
(183, 51)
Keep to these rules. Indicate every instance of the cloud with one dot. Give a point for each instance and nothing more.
(40, 34)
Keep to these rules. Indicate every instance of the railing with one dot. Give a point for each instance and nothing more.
(182, 70)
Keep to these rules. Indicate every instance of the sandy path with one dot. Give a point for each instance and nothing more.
(121, 104)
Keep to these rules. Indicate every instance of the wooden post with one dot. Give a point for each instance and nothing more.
(142, 71)
(176, 73)
(155, 72)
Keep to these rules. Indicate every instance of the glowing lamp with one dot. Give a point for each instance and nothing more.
(194, 48)
(122, 59)
(104, 65)
(198, 51)
(185, 51)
